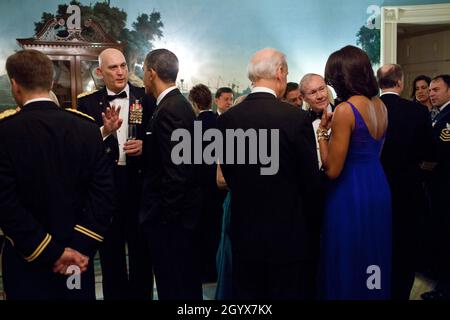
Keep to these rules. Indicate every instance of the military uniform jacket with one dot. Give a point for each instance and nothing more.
(441, 135)
(95, 103)
(55, 182)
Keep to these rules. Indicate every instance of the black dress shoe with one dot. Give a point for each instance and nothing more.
(434, 295)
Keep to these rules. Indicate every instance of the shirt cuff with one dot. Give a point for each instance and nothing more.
(101, 132)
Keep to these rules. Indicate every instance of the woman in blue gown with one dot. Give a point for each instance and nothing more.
(223, 257)
(355, 259)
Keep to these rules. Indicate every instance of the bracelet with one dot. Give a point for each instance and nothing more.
(322, 134)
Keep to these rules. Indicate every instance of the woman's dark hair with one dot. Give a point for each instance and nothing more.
(418, 78)
(350, 73)
(201, 96)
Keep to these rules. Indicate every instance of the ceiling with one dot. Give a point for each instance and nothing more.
(409, 30)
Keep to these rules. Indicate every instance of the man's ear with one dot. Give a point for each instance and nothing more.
(152, 73)
(16, 91)
(99, 72)
(14, 85)
(279, 73)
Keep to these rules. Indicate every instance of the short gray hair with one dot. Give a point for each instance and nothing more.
(306, 78)
(267, 67)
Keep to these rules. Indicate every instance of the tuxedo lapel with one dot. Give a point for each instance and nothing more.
(103, 103)
(164, 100)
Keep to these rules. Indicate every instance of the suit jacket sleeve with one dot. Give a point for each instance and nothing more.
(426, 142)
(98, 209)
(221, 125)
(148, 107)
(18, 224)
(176, 178)
(307, 154)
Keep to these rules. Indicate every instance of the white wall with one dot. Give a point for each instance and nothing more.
(427, 54)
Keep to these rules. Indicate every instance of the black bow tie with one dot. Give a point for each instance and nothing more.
(314, 115)
(123, 94)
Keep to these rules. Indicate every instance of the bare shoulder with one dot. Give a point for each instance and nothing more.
(378, 103)
(343, 112)
(380, 108)
(343, 108)
(381, 112)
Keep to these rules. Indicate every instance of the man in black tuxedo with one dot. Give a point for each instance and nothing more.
(316, 94)
(317, 99)
(209, 228)
(171, 202)
(55, 189)
(121, 110)
(407, 144)
(269, 227)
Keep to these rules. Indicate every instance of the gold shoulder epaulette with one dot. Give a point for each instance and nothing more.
(84, 115)
(83, 94)
(7, 113)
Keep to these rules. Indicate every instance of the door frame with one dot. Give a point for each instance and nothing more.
(391, 16)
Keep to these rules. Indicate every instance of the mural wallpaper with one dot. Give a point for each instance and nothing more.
(213, 39)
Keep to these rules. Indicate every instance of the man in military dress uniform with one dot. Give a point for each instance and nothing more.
(440, 185)
(55, 189)
(120, 109)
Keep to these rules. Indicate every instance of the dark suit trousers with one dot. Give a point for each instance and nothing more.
(174, 261)
(33, 281)
(259, 280)
(209, 232)
(408, 203)
(440, 217)
(136, 281)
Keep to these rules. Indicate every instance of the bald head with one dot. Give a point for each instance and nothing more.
(113, 69)
(109, 54)
(264, 64)
(387, 67)
(268, 68)
(390, 76)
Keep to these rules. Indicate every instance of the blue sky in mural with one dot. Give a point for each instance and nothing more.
(214, 39)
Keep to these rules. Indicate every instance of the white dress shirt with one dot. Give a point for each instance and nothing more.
(388, 92)
(443, 106)
(37, 99)
(315, 125)
(164, 93)
(122, 132)
(264, 89)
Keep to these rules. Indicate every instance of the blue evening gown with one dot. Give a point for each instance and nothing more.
(223, 259)
(356, 234)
